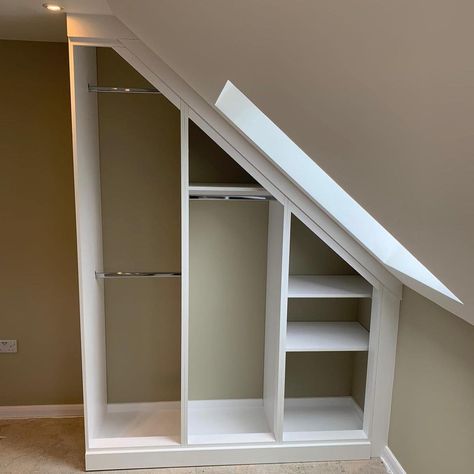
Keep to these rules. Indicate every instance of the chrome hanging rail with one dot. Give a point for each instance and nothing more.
(230, 198)
(122, 90)
(228, 192)
(104, 275)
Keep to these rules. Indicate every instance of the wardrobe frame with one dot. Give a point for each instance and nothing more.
(85, 32)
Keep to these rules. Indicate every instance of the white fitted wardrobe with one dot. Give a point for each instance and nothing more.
(217, 327)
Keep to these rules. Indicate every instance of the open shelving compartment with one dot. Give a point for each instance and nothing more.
(228, 216)
(326, 342)
(128, 185)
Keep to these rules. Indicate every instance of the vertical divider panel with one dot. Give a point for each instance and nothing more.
(384, 360)
(89, 235)
(184, 270)
(372, 359)
(276, 310)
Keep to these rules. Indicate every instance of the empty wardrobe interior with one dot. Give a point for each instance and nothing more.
(139, 138)
(263, 359)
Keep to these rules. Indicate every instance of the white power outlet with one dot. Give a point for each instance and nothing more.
(8, 345)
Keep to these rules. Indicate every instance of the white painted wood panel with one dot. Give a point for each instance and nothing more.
(139, 458)
(375, 321)
(304, 417)
(184, 119)
(139, 424)
(325, 336)
(328, 286)
(89, 234)
(276, 309)
(202, 189)
(228, 421)
(384, 369)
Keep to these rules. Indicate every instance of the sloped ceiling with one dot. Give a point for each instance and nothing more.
(379, 94)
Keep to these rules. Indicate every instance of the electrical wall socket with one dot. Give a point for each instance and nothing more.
(8, 345)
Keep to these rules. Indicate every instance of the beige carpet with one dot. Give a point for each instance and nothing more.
(56, 446)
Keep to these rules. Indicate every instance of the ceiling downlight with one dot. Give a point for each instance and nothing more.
(52, 7)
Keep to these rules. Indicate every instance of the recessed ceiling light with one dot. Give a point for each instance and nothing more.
(52, 8)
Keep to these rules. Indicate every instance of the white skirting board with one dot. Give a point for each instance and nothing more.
(40, 411)
(391, 462)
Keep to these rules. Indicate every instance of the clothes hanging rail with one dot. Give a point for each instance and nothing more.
(122, 90)
(105, 275)
(228, 192)
(230, 198)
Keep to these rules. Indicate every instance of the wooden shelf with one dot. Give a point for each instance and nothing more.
(228, 421)
(326, 337)
(328, 286)
(205, 190)
(308, 419)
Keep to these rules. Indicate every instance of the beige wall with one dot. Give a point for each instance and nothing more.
(38, 280)
(432, 422)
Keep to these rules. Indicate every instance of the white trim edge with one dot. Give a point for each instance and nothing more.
(40, 411)
(391, 462)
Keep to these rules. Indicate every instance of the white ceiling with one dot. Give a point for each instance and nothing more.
(380, 94)
(27, 19)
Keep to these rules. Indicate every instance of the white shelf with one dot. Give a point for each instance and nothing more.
(310, 418)
(227, 421)
(232, 190)
(328, 286)
(139, 424)
(325, 337)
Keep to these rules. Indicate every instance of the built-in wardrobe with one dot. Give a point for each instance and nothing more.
(217, 326)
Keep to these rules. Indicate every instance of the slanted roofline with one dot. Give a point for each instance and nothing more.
(326, 193)
(379, 265)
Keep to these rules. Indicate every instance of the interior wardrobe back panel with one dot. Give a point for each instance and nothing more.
(140, 174)
(309, 255)
(209, 163)
(142, 340)
(139, 138)
(228, 248)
